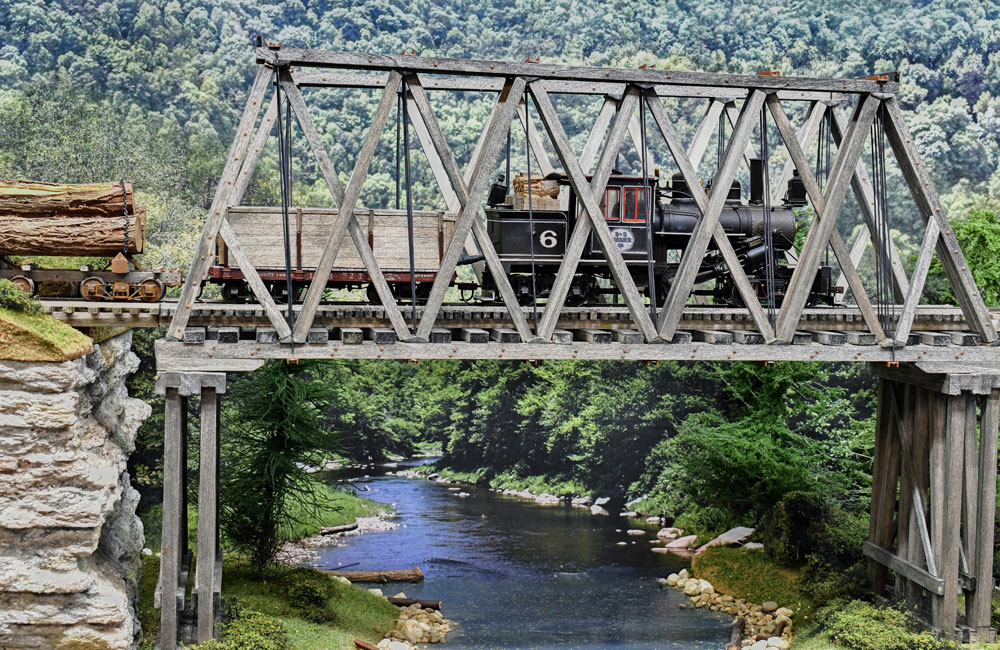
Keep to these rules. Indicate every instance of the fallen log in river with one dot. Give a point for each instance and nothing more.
(406, 602)
(395, 575)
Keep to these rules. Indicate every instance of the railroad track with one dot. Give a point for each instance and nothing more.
(87, 314)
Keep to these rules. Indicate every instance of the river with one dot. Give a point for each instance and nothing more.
(517, 575)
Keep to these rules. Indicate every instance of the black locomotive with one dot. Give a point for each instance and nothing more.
(673, 219)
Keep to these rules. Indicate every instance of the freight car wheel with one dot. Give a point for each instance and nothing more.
(93, 288)
(151, 290)
(25, 284)
(235, 291)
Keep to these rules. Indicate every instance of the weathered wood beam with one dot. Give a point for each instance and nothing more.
(264, 298)
(335, 79)
(949, 252)
(689, 172)
(588, 156)
(535, 144)
(819, 237)
(344, 220)
(208, 515)
(708, 127)
(203, 255)
(492, 140)
(704, 230)
(798, 157)
(578, 180)
(581, 231)
(435, 65)
(917, 280)
(979, 615)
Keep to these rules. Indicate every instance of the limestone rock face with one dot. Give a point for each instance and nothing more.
(69, 539)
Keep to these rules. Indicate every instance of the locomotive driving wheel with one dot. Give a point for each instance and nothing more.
(151, 290)
(25, 284)
(93, 288)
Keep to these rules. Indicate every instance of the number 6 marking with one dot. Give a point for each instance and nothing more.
(548, 239)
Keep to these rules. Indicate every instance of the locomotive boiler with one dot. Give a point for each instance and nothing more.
(531, 245)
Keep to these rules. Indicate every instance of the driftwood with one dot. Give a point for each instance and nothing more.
(335, 530)
(406, 602)
(736, 633)
(364, 645)
(777, 632)
(64, 219)
(396, 575)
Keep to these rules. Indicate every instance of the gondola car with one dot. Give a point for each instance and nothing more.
(259, 231)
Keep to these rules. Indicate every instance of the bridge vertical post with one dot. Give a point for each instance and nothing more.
(208, 573)
(175, 565)
(943, 421)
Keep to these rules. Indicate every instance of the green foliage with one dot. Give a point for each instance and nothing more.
(752, 575)
(796, 527)
(309, 592)
(979, 236)
(276, 432)
(858, 625)
(252, 631)
(11, 297)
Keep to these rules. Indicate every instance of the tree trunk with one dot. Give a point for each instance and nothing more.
(398, 575)
(52, 200)
(73, 236)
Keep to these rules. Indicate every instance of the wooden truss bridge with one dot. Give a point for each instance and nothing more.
(935, 468)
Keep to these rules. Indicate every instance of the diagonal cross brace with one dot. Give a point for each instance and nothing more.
(690, 175)
(492, 140)
(598, 182)
(346, 200)
(819, 237)
(456, 183)
(578, 180)
(949, 252)
(202, 257)
(798, 157)
(705, 228)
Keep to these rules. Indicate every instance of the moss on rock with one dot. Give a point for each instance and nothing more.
(26, 336)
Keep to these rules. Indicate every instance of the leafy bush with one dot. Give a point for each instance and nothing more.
(255, 631)
(11, 297)
(796, 527)
(858, 625)
(309, 592)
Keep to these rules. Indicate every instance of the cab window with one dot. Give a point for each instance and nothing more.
(635, 205)
(610, 205)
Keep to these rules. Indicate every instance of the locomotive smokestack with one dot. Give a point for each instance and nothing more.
(756, 180)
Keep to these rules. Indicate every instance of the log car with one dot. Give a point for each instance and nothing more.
(258, 230)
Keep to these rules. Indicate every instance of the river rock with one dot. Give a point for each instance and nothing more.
(635, 532)
(753, 546)
(454, 489)
(602, 501)
(625, 544)
(682, 542)
(463, 495)
(546, 499)
(783, 611)
(672, 579)
(671, 532)
(737, 535)
(760, 645)
(582, 502)
(769, 606)
(777, 642)
(663, 550)
(653, 520)
(683, 574)
(692, 588)
(598, 510)
(628, 513)
(375, 592)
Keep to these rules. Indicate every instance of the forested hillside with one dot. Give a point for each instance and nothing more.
(151, 91)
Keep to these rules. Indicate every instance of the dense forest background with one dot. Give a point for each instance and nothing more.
(152, 90)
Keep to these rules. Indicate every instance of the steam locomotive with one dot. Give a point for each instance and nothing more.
(535, 254)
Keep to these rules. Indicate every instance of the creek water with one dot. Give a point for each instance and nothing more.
(517, 575)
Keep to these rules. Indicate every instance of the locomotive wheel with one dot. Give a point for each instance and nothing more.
(25, 284)
(93, 288)
(151, 290)
(235, 291)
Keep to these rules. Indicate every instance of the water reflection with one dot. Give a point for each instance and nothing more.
(518, 575)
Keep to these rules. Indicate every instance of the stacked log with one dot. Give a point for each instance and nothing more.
(544, 192)
(69, 219)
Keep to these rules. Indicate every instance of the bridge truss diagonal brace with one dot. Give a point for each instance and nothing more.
(707, 226)
(201, 262)
(844, 167)
(864, 195)
(484, 159)
(346, 200)
(578, 180)
(949, 252)
(798, 157)
(618, 116)
(456, 183)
